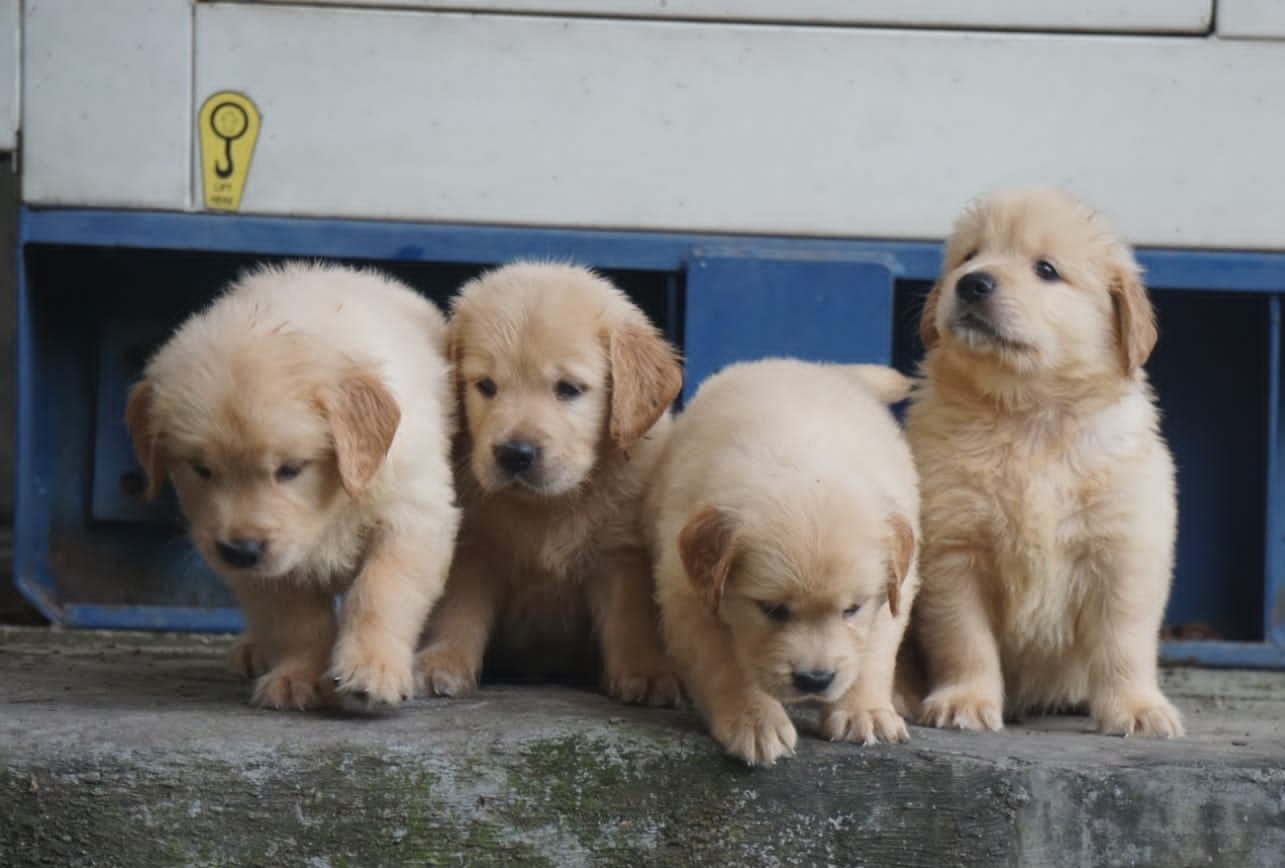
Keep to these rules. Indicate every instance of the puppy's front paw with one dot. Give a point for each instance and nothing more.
(245, 660)
(864, 725)
(1148, 715)
(296, 685)
(444, 671)
(962, 706)
(373, 671)
(659, 689)
(759, 733)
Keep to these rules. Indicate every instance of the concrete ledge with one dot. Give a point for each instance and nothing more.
(129, 749)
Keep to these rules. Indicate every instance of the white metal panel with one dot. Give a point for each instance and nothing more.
(1152, 16)
(107, 102)
(820, 131)
(10, 73)
(1252, 19)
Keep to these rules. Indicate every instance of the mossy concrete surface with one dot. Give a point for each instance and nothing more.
(140, 750)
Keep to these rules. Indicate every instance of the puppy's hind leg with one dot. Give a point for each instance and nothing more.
(289, 633)
(635, 667)
(246, 658)
(459, 629)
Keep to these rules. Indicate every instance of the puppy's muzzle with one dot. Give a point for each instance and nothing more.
(975, 287)
(975, 310)
(516, 457)
(241, 553)
(813, 681)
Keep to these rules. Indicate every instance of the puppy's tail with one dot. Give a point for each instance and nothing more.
(884, 383)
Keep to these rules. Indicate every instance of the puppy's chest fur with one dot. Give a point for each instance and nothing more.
(545, 543)
(340, 552)
(1038, 491)
(545, 556)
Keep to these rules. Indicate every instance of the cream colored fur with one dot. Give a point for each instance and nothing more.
(309, 408)
(783, 518)
(553, 559)
(1048, 493)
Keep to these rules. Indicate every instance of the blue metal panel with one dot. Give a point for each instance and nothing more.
(1274, 583)
(170, 618)
(31, 495)
(1218, 374)
(1224, 655)
(118, 482)
(1236, 271)
(409, 242)
(742, 308)
(1211, 376)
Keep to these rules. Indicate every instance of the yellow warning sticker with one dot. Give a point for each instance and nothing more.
(228, 125)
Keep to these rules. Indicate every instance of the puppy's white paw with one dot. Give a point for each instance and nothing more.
(963, 706)
(863, 725)
(245, 660)
(759, 733)
(443, 671)
(657, 689)
(373, 671)
(292, 685)
(1148, 715)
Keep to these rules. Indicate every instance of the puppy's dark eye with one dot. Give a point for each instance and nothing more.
(201, 470)
(567, 391)
(486, 386)
(287, 472)
(1045, 271)
(972, 254)
(775, 611)
(851, 610)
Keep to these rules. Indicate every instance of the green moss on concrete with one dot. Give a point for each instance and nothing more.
(117, 752)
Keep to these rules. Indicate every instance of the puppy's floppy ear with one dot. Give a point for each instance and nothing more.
(363, 418)
(901, 544)
(928, 318)
(452, 350)
(1135, 319)
(143, 433)
(707, 547)
(645, 379)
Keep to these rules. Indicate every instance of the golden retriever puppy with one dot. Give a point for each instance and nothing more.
(304, 420)
(564, 385)
(783, 517)
(1049, 507)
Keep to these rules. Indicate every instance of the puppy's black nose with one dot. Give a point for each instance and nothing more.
(813, 680)
(241, 553)
(516, 456)
(975, 286)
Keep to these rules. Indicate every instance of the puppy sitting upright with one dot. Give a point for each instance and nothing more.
(1049, 507)
(304, 420)
(783, 518)
(565, 386)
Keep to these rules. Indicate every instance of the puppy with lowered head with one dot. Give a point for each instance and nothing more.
(783, 516)
(1049, 506)
(304, 420)
(564, 385)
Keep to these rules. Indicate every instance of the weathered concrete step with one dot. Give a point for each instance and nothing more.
(139, 750)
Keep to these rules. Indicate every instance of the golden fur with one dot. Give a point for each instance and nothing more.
(554, 357)
(307, 410)
(783, 518)
(1048, 493)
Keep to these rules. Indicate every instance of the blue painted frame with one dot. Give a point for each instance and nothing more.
(1243, 272)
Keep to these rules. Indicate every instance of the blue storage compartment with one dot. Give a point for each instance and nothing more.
(99, 290)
